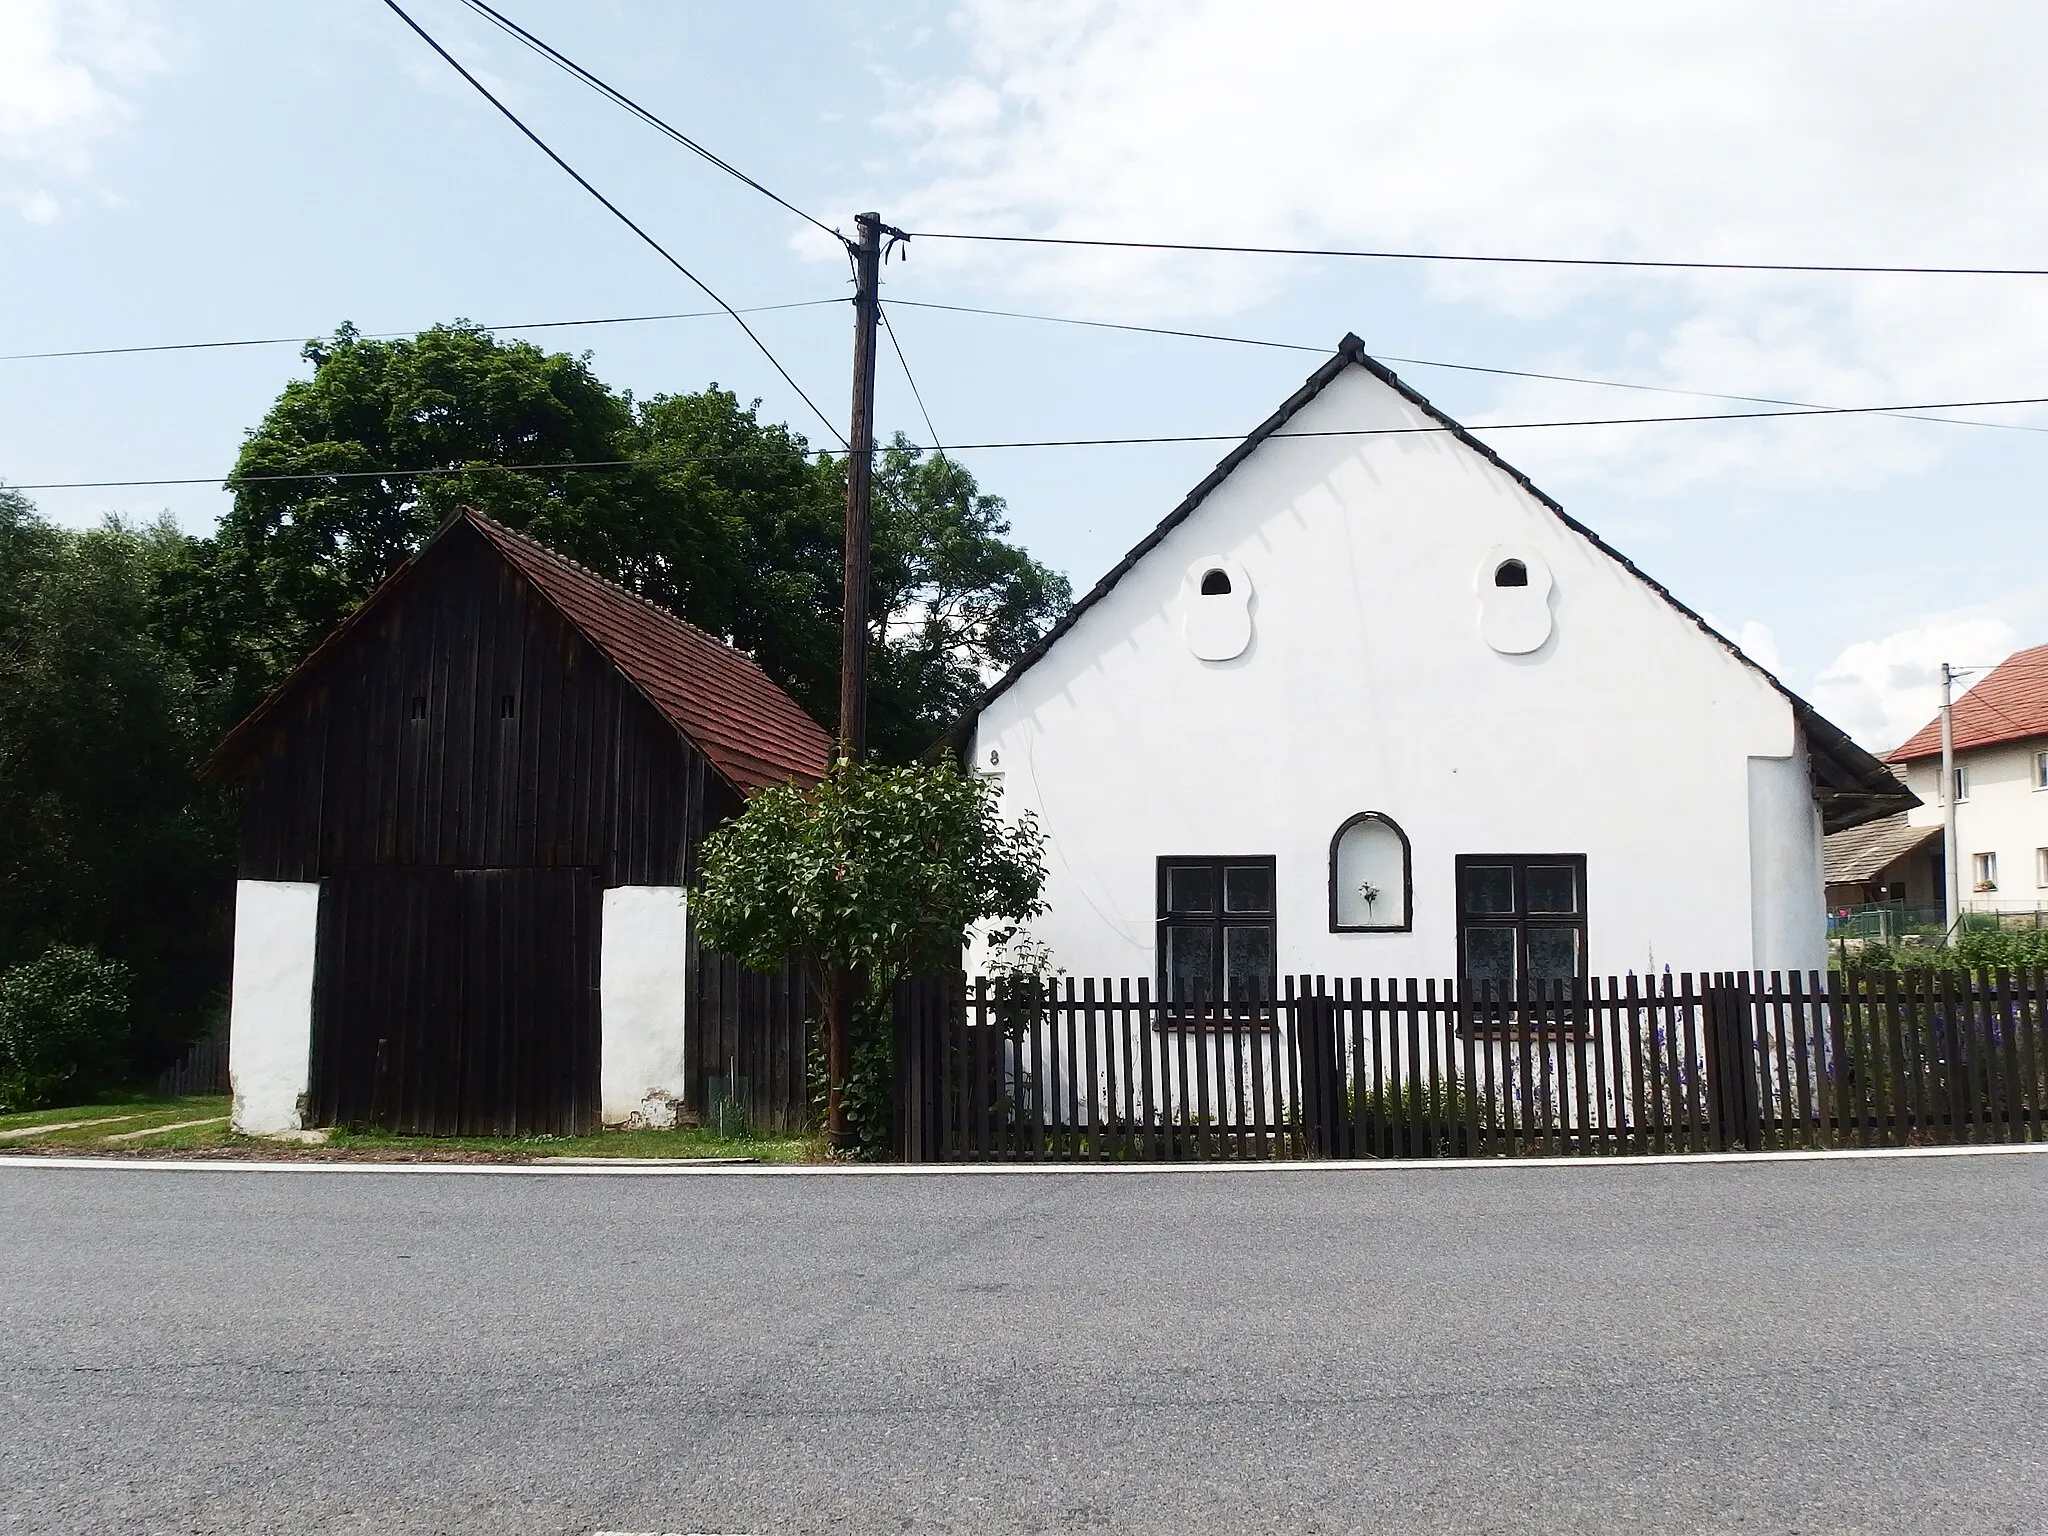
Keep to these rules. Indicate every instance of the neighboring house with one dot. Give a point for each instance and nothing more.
(468, 820)
(1367, 703)
(2000, 733)
(1893, 861)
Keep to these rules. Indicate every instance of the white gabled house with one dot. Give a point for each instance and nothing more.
(1368, 703)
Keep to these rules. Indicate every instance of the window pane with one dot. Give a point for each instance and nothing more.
(1191, 888)
(1190, 964)
(1490, 960)
(1553, 888)
(1553, 957)
(1248, 888)
(1248, 964)
(1489, 888)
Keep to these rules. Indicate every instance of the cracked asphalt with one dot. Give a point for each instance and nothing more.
(1797, 1347)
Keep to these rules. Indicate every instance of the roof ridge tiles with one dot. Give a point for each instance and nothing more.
(609, 583)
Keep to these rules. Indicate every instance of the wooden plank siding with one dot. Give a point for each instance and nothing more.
(400, 750)
(465, 770)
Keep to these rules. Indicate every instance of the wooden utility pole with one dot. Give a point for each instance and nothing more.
(853, 629)
(1951, 856)
(860, 472)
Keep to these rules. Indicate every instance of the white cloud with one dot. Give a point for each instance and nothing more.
(63, 66)
(1759, 644)
(1882, 691)
(1705, 129)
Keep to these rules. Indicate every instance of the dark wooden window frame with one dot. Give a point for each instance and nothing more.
(1219, 920)
(1521, 918)
(1407, 923)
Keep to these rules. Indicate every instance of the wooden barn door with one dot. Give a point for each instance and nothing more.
(457, 1002)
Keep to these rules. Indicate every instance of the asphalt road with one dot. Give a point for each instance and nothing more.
(1813, 1347)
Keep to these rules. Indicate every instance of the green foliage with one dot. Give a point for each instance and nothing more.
(126, 652)
(63, 1027)
(1974, 948)
(952, 601)
(107, 838)
(293, 557)
(729, 521)
(878, 870)
(1402, 1119)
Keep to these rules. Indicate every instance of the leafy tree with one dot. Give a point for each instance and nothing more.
(107, 839)
(294, 556)
(63, 1027)
(732, 522)
(953, 602)
(876, 872)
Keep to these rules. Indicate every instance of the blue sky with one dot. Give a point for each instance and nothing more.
(233, 169)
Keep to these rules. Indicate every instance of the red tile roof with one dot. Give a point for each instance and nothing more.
(2010, 704)
(752, 732)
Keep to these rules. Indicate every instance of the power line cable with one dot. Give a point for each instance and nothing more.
(562, 61)
(1505, 426)
(656, 460)
(1016, 314)
(618, 213)
(1424, 362)
(1847, 268)
(523, 325)
(911, 379)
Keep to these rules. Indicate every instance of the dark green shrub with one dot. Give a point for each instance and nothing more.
(1976, 947)
(63, 1026)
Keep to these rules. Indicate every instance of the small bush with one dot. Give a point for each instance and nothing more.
(63, 1026)
(1975, 947)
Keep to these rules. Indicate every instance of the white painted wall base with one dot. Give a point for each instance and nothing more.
(1788, 896)
(270, 1012)
(642, 1002)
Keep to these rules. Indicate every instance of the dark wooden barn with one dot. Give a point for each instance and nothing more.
(468, 821)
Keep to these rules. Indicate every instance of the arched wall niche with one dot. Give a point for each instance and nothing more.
(1371, 851)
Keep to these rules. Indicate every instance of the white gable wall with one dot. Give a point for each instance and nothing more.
(1626, 736)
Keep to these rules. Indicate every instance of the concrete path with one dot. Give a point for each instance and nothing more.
(1793, 1346)
(160, 1130)
(22, 1132)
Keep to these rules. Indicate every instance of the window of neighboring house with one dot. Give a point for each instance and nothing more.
(1521, 921)
(2041, 770)
(1216, 933)
(2041, 867)
(1984, 871)
(1962, 783)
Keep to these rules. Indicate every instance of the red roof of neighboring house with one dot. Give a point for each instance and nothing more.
(751, 732)
(2009, 705)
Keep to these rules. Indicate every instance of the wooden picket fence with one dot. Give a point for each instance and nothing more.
(1722, 1061)
(203, 1068)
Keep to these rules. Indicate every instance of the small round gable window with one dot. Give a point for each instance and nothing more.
(1216, 609)
(1514, 588)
